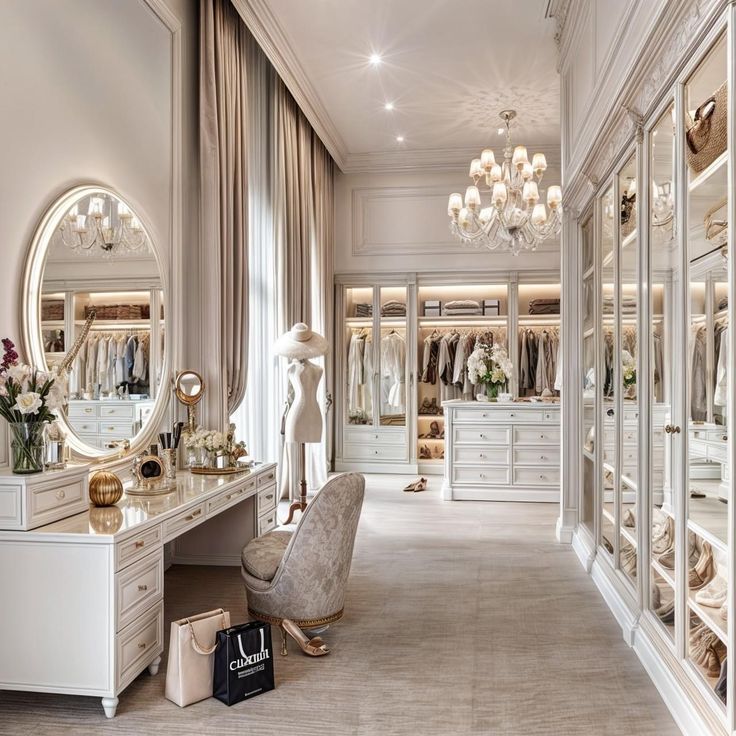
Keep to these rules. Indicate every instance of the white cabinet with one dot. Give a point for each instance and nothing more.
(501, 452)
(104, 422)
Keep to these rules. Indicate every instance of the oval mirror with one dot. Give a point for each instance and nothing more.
(189, 387)
(93, 304)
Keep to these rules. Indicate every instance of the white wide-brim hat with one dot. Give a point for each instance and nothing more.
(300, 343)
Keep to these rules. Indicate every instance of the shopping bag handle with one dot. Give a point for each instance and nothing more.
(196, 645)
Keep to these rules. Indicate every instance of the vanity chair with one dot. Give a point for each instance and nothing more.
(302, 575)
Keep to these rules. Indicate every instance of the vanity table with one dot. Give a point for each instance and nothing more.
(501, 451)
(83, 609)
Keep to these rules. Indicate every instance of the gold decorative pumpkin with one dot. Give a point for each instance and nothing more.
(105, 488)
(105, 519)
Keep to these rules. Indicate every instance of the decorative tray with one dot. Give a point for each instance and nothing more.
(220, 471)
(155, 489)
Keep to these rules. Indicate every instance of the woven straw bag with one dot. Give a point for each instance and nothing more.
(706, 136)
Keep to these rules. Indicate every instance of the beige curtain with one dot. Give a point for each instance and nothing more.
(224, 173)
(303, 210)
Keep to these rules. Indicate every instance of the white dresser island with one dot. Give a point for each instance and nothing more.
(502, 452)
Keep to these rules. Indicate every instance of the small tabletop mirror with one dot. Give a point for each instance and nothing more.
(189, 389)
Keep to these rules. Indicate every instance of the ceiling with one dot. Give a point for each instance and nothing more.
(447, 67)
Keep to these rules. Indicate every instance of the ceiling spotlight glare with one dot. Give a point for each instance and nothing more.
(399, 138)
(389, 106)
(375, 59)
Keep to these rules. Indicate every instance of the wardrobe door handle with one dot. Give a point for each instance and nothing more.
(610, 413)
(193, 515)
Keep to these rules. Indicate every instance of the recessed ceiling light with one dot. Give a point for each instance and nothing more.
(399, 138)
(388, 106)
(375, 59)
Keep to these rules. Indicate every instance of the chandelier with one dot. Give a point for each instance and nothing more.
(106, 226)
(515, 218)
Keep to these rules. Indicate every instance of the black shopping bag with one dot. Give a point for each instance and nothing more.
(243, 662)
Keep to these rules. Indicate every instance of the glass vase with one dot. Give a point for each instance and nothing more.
(492, 391)
(27, 447)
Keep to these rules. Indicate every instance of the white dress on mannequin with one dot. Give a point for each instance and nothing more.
(304, 418)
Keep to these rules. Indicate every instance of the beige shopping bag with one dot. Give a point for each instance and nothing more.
(191, 656)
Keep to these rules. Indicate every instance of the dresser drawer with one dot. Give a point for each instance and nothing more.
(267, 522)
(536, 476)
(266, 478)
(481, 434)
(82, 411)
(116, 429)
(134, 547)
(359, 435)
(481, 455)
(371, 451)
(85, 426)
(482, 475)
(537, 456)
(498, 414)
(552, 416)
(266, 499)
(122, 412)
(137, 645)
(536, 435)
(138, 587)
(184, 521)
(231, 497)
(51, 501)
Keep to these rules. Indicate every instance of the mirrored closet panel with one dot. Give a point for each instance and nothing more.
(587, 506)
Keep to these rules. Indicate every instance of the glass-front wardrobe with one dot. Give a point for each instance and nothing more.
(655, 363)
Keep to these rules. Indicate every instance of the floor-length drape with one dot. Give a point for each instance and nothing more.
(224, 173)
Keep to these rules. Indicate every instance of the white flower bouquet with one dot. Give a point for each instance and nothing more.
(28, 400)
(206, 439)
(490, 366)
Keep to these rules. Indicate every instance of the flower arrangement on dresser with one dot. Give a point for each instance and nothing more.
(490, 367)
(210, 449)
(28, 400)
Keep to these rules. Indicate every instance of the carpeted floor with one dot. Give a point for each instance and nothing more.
(461, 618)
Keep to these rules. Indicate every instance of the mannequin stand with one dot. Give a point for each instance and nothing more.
(301, 504)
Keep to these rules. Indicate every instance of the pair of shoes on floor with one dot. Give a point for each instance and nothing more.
(314, 647)
(629, 518)
(416, 486)
(425, 453)
(707, 650)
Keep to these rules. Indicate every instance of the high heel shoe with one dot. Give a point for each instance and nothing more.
(314, 647)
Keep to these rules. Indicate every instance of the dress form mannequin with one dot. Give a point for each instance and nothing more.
(303, 421)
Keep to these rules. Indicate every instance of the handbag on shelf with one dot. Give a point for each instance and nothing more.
(191, 656)
(706, 136)
(716, 222)
(243, 662)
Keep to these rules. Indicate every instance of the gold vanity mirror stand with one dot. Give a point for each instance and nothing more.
(189, 389)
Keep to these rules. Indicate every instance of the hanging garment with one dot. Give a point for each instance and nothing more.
(393, 373)
(523, 362)
(558, 368)
(542, 377)
(120, 359)
(355, 371)
(77, 376)
(429, 358)
(608, 364)
(460, 367)
(658, 357)
(140, 364)
(90, 370)
(720, 395)
(366, 387)
(102, 378)
(698, 400)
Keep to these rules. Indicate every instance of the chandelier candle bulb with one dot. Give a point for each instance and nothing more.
(464, 218)
(487, 159)
(520, 157)
(455, 204)
(539, 163)
(526, 171)
(486, 215)
(530, 192)
(79, 225)
(554, 196)
(496, 173)
(96, 206)
(539, 214)
(475, 168)
(472, 197)
(500, 195)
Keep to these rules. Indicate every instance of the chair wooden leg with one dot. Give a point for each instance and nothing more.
(284, 649)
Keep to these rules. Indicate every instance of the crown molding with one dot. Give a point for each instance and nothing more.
(261, 22)
(431, 159)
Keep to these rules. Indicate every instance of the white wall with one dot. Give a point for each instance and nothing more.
(399, 223)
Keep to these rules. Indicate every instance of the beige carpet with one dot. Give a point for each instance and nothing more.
(462, 618)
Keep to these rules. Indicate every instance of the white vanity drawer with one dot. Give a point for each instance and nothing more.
(266, 499)
(536, 435)
(267, 522)
(372, 451)
(116, 429)
(184, 521)
(136, 546)
(83, 411)
(138, 587)
(536, 476)
(267, 478)
(134, 645)
(123, 412)
(359, 435)
(86, 427)
(497, 414)
(46, 501)
(481, 455)
(717, 452)
(231, 497)
(537, 456)
(481, 434)
(481, 475)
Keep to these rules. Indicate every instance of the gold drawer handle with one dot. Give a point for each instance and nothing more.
(112, 429)
(269, 496)
(193, 515)
(142, 645)
(482, 456)
(233, 495)
(88, 411)
(139, 544)
(142, 588)
(60, 495)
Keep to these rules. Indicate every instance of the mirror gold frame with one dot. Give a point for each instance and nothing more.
(187, 399)
(31, 317)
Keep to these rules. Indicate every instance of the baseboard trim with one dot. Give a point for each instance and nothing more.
(585, 553)
(530, 495)
(602, 573)
(215, 560)
(350, 466)
(564, 533)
